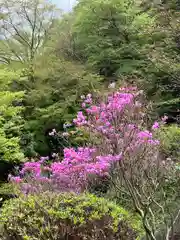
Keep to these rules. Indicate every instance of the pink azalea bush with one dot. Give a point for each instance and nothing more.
(117, 123)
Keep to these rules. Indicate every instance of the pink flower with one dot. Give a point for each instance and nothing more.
(93, 109)
(83, 105)
(43, 159)
(154, 142)
(31, 168)
(117, 121)
(80, 120)
(144, 135)
(15, 179)
(155, 125)
(88, 99)
(164, 118)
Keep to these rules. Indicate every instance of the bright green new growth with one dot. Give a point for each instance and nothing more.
(170, 141)
(51, 214)
(9, 120)
(10, 117)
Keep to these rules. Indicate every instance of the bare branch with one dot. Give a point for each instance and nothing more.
(27, 24)
(169, 229)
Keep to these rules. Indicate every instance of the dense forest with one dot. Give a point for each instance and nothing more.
(89, 120)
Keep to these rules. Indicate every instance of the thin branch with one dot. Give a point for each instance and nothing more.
(172, 225)
(15, 28)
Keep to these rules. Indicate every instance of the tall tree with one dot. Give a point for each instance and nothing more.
(110, 35)
(25, 26)
(166, 54)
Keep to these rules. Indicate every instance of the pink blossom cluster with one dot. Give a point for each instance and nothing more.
(118, 117)
(33, 168)
(118, 121)
(71, 173)
(81, 119)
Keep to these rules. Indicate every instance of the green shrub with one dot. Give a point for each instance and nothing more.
(10, 125)
(170, 141)
(66, 216)
(6, 192)
(54, 100)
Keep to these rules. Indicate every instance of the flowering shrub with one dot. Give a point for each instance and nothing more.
(70, 174)
(123, 149)
(117, 120)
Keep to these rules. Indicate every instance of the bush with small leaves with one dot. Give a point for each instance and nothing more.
(6, 192)
(170, 141)
(66, 216)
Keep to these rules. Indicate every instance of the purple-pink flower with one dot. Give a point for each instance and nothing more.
(117, 121)
(80, 120)
(164, 118)
(155, 125)
(15, 179)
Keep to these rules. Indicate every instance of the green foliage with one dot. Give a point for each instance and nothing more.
(7, 76)
(170, 106)
(50, 62)
(13, 135)
(133, 41)
(117, 39)
(11, 121)
(6, 192)
(10, 150)
(25, 28)
(164, 72)
(110, 35)
(54, 98)
(66, 216)
(170, 141)
(6, 188)
(78, 137)
(9, 139)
